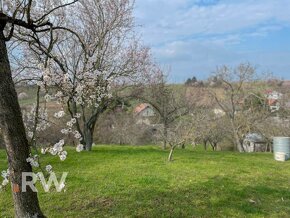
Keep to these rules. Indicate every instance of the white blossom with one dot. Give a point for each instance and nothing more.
(78, 115)
(59, 114)
(59, 94)
(77, 135)
(80, 148)
(48, 168)
(69, 124)
(47, 97)
(30, 134)
(29, 120)
(5, 182)
(65, 131)
(62, 157)
(53, 151)
(43, 151)
(5, 175)
(33, 160)
(110, 95)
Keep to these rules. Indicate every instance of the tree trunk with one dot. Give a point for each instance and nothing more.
(165, 135)
(214, 146)
(88, 138)
(170, 157)
(25, 203)
(183, 145)
(205, 144)
(270, 147)
(239, 143)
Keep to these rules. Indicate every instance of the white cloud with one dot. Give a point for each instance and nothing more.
(165, 21)
(194, 36)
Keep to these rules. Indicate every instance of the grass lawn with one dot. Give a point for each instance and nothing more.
(120, 181)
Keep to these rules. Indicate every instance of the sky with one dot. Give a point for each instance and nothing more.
(194, 37)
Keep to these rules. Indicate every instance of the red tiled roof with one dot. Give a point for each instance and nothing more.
(141, 107)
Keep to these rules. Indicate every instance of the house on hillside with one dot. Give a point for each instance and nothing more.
(273, 100)
(144, 113)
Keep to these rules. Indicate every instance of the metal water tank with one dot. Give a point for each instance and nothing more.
(281, 147)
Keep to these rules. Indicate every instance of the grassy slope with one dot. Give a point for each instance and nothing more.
(115, 181)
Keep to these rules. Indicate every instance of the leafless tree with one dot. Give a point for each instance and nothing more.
(169, 102)
(217, 132)
(179, 133)
(237, 87)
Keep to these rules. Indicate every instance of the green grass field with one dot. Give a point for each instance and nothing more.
(115, 181)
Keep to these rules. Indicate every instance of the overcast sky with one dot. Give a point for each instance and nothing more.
(195, 36)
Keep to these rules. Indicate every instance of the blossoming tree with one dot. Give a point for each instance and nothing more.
(87, 66)
(79, 58)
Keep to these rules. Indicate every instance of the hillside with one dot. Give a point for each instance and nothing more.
(114, 181)
(257, 87)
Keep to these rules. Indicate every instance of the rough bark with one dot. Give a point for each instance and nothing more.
(88, 135)
(239, 143)
(25, 203)
(88, 138)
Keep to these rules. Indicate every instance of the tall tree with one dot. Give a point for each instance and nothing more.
(235, 98)
(28, 20)
(89, 65)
